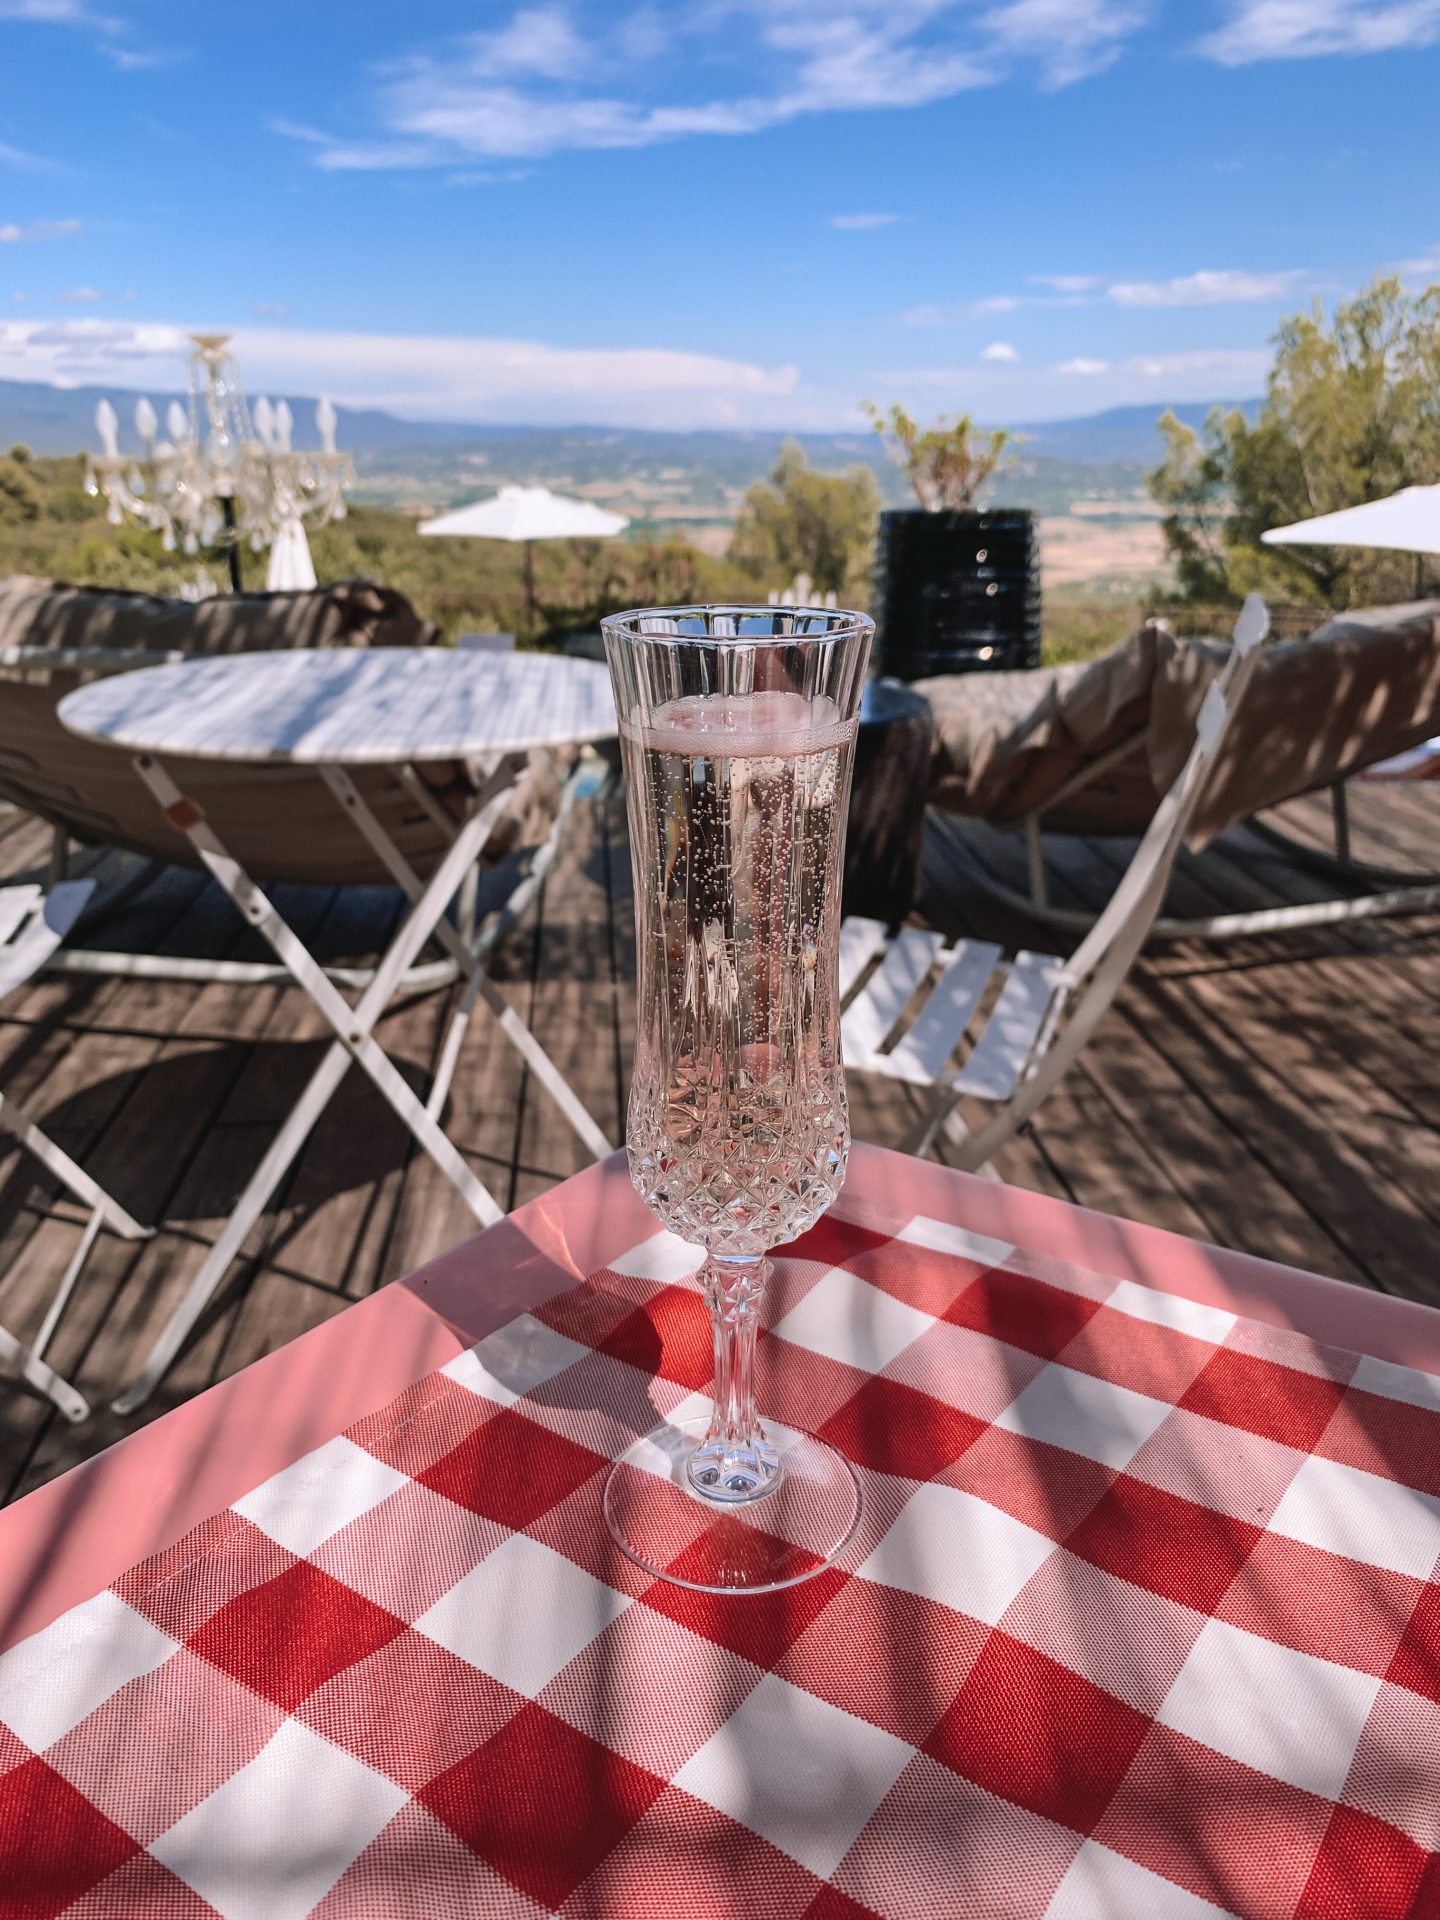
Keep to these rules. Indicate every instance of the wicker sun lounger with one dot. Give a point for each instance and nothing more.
(1091, 749)
(282, 828)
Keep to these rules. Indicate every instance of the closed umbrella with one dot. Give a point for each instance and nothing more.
(528, 514)
(291, 569)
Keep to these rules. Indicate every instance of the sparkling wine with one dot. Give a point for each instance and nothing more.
(738, 1131)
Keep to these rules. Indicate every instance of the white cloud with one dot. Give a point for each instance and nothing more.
(143, 59)
(1000, 350)
(57, 13)
(1211, 287)
(535, 86)
(487, 177)
(431, 377)
(1072, 39)
(299, 130)
(365, 156)
(375, 156)
(270, 310)
(80, 296)
(531, 382)
(998, 394)
(11, 235)
(1308, 29)
(20, 161)
(948, 315)
(1232, 371)
(939, 314)
(538, 40)
(107, 30)
(861, 222)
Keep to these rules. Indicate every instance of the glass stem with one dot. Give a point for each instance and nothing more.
(735, 1461)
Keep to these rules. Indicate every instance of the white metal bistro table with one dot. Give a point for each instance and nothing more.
(394, 708)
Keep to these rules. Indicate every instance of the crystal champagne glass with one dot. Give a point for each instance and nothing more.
(737, 732)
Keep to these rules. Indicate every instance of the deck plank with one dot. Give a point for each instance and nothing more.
(1275, 1094)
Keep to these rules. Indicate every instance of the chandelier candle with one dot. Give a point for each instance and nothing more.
(737, 731)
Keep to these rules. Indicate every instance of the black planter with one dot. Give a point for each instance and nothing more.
(956, 592)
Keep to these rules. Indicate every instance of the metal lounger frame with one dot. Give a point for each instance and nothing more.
(1047, 1008)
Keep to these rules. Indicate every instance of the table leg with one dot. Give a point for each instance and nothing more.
(354, 1040)
(479, 983)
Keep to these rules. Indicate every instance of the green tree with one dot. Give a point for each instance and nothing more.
(1351, 413)
(1192, 484)
(800, 521)
(19, 496)
(946, 464)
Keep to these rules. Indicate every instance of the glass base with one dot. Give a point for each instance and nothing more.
(740, 1537)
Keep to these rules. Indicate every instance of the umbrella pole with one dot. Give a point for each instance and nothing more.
(529, 589)
(232, 542)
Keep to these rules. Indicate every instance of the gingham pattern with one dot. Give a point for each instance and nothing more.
(1142, 1623)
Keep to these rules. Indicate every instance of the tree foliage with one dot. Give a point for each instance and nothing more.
(799, 521)
(946, 464)
(1351, 413)
(19, 496)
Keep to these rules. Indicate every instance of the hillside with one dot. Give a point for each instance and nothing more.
(57, 420)
(662, 480)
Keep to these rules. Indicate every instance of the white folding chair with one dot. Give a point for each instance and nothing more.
(907, 1015)
(32, 925)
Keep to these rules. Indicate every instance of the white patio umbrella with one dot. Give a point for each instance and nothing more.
(528, 514)
(1407, 522)
(1404, 522)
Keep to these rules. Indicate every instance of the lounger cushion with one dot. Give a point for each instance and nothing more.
(347, 613)
(1007, 743)
(1365, 687)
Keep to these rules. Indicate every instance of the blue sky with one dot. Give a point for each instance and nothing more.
(706, 212)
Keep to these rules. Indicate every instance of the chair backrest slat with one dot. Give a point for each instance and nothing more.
(874, 1013)
(1000, 1054)
(16, 906)
(923, 1051)
(32, 925)
(860, 941)
(26, 954)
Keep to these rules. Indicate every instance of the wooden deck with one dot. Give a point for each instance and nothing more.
(1279, 1095)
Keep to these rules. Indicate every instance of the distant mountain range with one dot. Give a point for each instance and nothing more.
(55, 420)
(1120, 433)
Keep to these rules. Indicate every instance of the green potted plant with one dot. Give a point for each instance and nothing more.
(957, 586)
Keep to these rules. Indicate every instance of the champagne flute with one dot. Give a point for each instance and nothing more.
(737, 732)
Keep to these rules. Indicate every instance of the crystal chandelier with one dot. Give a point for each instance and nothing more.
(221, 477)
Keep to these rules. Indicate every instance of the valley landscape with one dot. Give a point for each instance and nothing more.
(1084, 478)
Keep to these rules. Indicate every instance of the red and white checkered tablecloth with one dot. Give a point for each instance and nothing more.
(1142, 1623)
